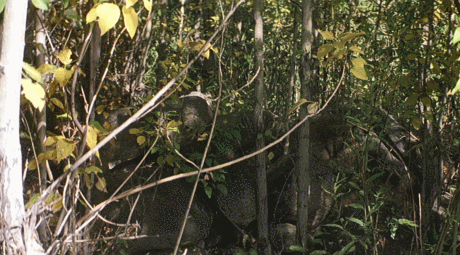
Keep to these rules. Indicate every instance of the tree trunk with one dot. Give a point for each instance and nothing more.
(262, 206)
(16, 236)
(303, 164)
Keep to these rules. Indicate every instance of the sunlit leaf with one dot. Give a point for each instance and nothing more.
(135, 131)
(180, 43)
(350, 35)
(32, 72)
(92, 14)
(100, 108)
(108, 15)
(63, 75)
(141, 140)
(64, 56)
(324, 50)
(456, 37)
(46, 68)
(2, 5)
(64, 148)
(327, 35)
(131, 20)
(455, 90)
(356, 49)
(93, 169)
(312, 108)
(130, 3)
(297, 105)
(358, 69)
(148, 5)
(91, 138)
(41, 4)
(32, 200)
(34, 92)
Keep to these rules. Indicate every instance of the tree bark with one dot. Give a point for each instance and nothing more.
(262, 206)
(14, 233)
(303, 164)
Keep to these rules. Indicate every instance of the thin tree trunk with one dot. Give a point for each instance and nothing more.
(14, 233)
(262, 206)
(40, 38)
(303, 164)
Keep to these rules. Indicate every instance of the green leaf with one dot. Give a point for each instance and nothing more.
(357, 221)
(41, 4)
(208, 191)
(93, 169)
(456, 38)
(356, 206)
(297, 105)
(456, 89)
(297, 248)
(2, 5)
(222, 189)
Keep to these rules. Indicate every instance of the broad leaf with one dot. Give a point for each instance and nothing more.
(34, 92)
(148, 5)
(64, 56)
(41, 4)
(130, 3)
(32, 72)
(456, 38)
(327, 35)
(131, 20)
(108, 15)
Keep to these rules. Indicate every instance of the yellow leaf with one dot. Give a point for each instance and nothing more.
(64, 56)
(34, 92)
(51, 140)
(412, 99)
(350, 36)
(359, 62)
(91, 138)
(64, 148)
(107, 13)
(33, 165)
(203, 137)
(100, 108)
(131, 21)
(180, 44)
(46, 68)
(57, 102)
(148, 5)
(297, 105)
(356, 49)
(32, 72)
(63, 75)
(358, 69)
(271, 155)
(92, 14)
(327, 35)
(135, 131)
(130, 3)
(312, 108)
(174, 124)
(141, 140)
(324, 50)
